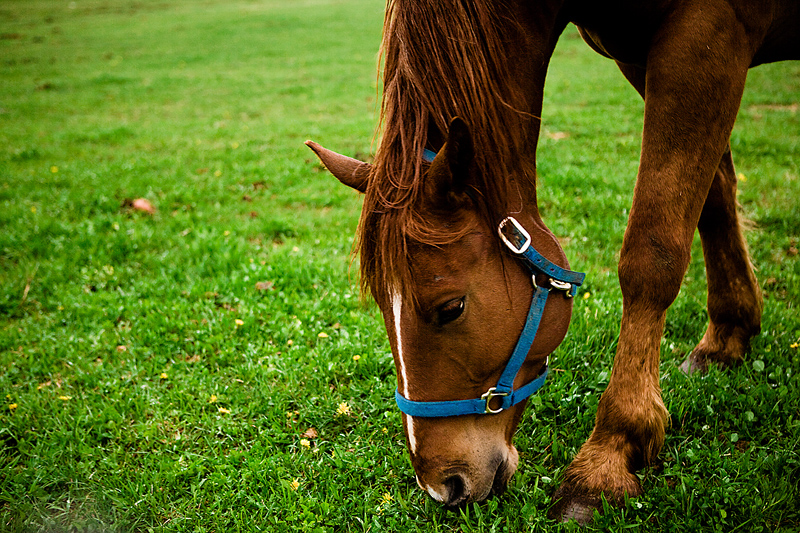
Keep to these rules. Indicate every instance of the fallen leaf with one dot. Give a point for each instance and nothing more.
(265, 285)
(310, 433)
(141, 204)
(557, 135)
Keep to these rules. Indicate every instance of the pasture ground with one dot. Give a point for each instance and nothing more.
(211, 368)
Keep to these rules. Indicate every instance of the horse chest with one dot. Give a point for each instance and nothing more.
(631, 48)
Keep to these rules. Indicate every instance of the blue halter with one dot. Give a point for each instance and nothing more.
(518, 241)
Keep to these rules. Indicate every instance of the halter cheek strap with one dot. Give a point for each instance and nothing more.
(518, 241)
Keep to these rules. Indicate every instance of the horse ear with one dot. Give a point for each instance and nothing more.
(351, 172)
(449, 176)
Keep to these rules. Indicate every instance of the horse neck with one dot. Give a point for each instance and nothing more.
(542, 23)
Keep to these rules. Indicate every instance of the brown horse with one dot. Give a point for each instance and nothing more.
(455, 301)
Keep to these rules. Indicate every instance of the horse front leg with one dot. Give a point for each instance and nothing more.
(734, 297)
(631, 416)
(695, 77)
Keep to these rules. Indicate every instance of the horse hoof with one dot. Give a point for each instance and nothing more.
(723, 346)
(581, 512)
(571, 504)
(694, 363)
(576, 500)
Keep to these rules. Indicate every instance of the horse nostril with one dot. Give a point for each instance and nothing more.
(456, 490)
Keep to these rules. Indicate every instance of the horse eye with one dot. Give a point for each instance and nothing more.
(450, 311)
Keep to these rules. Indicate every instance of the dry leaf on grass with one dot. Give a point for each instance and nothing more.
(265, 285)
(139, 204)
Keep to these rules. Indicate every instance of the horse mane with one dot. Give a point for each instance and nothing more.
(441, 59)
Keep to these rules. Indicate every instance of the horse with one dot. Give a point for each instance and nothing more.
(475, 290)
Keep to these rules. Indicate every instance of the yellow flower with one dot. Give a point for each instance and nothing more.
(343, 409)
(164, 375)
(212, 398)
(239, 322)
(305, 443)
(54, 169)
(587, 295)
(295, 484)
(795, 345)
(65, 398)
(322, 335)
(741, 176)
(356, 357)
(384, 431)
(224, 411)
(12, 406)
(387, 497)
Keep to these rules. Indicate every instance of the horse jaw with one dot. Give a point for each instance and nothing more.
(351, 172)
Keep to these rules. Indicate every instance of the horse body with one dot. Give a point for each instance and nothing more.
(452, 299)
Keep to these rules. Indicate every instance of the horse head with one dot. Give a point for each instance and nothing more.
(455, 312)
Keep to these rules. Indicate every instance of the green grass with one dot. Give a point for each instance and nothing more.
(157, 389)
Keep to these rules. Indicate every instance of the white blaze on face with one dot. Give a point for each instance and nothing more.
(397, 311)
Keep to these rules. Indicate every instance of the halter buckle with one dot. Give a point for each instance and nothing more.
(562, 286)
(518, 231)
(489, 395)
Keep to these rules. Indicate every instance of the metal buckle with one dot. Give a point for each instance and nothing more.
(489, 395)
(518, 227)
(562, 286)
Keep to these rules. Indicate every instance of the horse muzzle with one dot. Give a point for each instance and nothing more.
(460, 483)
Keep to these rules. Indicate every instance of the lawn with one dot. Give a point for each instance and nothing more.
(211, 366)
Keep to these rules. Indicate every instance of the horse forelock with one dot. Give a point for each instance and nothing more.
(441, 59)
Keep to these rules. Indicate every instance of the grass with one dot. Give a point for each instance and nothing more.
(149, 384)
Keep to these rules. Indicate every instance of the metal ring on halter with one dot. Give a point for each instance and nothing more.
(520, 231)
(561, 286)
(489, 395)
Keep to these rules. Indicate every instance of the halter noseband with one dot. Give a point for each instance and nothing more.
(518, 241)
